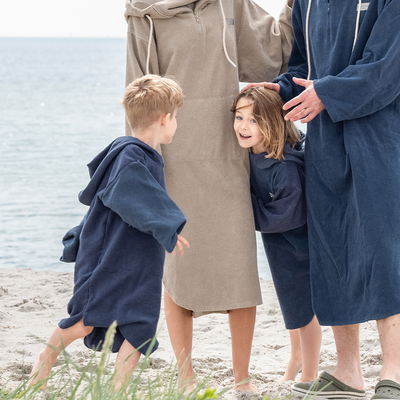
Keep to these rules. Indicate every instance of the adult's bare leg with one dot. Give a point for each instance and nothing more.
(348, 370)
(242, 322)
(180, 330)
(389, 334)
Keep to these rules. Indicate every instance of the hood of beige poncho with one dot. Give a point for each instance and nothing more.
(165, 9)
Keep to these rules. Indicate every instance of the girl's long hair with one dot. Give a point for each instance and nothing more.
(269, 115)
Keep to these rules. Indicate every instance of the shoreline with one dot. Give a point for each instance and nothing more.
(32, 302)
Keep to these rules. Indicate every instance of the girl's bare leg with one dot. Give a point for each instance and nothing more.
(180, 330)
(241, 322)
(295, 364)
(310, 339)
(126, 361)
(59, 339)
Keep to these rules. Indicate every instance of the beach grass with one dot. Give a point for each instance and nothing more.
(95, 381)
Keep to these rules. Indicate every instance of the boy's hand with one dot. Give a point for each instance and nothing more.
(179, 242)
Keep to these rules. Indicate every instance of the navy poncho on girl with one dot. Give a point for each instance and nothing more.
(352, 155)
(280, 213)
(119, 265)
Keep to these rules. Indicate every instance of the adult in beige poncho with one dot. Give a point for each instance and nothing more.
(208, 46)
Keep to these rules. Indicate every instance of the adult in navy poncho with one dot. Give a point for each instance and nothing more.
(351, 52)
(138, 220)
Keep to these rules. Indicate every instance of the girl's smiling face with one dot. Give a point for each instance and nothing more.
(247, 130)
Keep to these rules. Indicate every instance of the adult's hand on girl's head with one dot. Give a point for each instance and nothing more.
(179, 242)
(307, 105)
(268, 85)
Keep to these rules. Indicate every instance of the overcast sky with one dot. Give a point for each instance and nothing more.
(75, 18)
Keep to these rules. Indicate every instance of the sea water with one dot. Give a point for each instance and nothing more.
(59, 106)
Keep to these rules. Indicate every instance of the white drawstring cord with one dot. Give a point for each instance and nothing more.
(357, 24)
(308, 40)
(223, 35)
(149, 45)
(223, 39)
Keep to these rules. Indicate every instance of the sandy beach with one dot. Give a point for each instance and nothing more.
(33, 301)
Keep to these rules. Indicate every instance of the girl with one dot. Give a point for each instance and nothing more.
(279, 206)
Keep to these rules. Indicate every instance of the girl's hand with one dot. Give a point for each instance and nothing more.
(269, 85)
(179, 242)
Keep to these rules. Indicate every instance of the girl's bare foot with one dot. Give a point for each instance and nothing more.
(293, 368)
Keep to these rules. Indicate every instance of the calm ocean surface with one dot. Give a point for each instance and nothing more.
(59, 106)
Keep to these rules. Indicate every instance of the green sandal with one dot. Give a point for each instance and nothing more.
(327, 386)
(386, 389)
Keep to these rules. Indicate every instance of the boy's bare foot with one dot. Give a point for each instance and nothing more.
(40, 370)
(293, 368)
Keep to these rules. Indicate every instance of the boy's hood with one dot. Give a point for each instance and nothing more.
(162, 9)
(293, 154)
(99, 166)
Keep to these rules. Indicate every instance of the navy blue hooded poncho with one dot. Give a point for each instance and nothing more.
(280, 213)
(119, 265)
(352, 155)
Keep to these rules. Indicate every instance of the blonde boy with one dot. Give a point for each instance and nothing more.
(130, 223)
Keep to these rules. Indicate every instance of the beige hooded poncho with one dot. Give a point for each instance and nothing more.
(207, 173)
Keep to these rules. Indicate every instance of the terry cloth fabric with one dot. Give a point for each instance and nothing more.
(71, 244)
(352, 156)
(119, 265)
(207, 172)
(280, 213)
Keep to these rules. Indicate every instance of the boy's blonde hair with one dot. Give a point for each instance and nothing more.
(269, 115)
(148, 97)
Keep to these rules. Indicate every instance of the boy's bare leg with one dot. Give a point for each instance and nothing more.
(59, 339)
(389, 334)
(294, 365)
(310, 339)
(348, 368)
(126, 361)
(180, 330)
(241, 322)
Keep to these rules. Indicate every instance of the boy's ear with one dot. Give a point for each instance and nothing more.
(164, 118)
